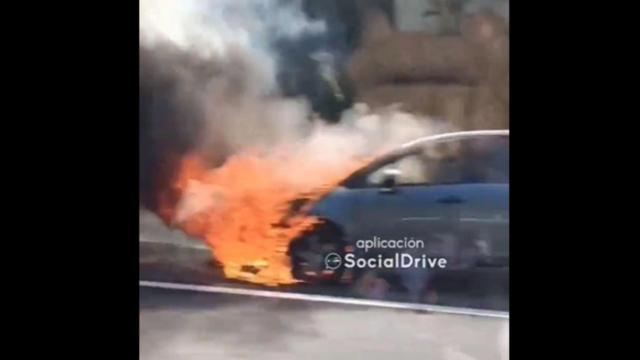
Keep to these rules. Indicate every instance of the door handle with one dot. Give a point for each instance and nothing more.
(450, 200)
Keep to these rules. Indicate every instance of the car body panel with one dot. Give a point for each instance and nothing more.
(467, 223)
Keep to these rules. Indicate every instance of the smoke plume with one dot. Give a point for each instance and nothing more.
(209, 74)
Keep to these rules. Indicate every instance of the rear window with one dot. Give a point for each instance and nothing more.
(479, 160)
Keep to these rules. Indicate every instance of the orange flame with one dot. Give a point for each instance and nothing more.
(238, 209)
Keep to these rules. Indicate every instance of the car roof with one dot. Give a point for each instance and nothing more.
(439, 138)
(412, 145)
(453, 136)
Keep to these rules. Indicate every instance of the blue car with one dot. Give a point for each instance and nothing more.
(439, 197)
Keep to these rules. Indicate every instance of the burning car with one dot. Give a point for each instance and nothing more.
(450, 191)
(283, 217)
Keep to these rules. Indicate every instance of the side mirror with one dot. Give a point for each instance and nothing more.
(389, 180)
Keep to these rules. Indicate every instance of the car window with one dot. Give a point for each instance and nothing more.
(486, 160)
(476, 160)
(411, 170)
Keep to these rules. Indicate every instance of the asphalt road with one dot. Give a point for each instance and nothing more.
(190, 325)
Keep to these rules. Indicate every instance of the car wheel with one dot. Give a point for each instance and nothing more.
(308, 254)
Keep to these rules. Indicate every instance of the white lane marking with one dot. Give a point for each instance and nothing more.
(326, 299)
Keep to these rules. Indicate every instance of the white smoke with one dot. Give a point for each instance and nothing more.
(212, 28)
(219, 55)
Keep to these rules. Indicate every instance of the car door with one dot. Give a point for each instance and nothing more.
(484, 221)
(408, 209)
(460, 210)
(479, 195)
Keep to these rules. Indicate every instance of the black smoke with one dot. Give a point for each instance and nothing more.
(169, 119)
(172, 115)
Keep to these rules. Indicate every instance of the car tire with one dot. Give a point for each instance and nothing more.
(309, 251)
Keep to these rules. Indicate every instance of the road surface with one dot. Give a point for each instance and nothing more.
(190, 325)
